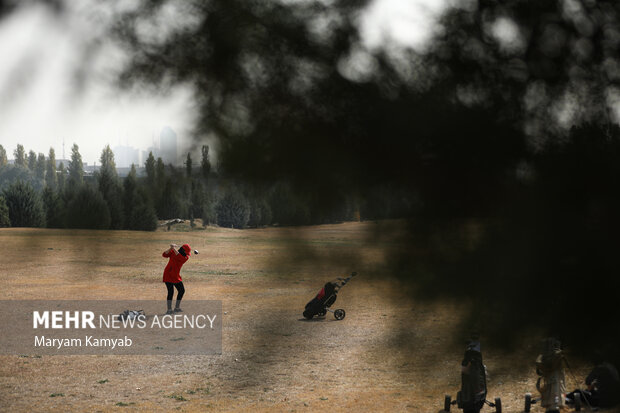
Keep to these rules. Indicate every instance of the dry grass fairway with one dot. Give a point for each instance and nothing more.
(389, 353)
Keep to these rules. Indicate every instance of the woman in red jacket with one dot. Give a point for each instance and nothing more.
(172, 276)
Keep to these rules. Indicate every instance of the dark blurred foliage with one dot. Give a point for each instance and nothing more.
(546, 260)
(508, 210)
(6, 7)
(275, 93)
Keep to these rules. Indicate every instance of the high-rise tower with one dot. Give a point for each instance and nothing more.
(168, 146)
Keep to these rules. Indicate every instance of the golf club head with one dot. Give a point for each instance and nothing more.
(196, 252)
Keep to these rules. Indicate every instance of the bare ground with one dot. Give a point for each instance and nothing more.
(389, 354)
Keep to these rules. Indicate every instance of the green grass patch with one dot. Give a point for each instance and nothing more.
(123, 404)
(177, 397)
(204, 390)
(57, 395)
(103, 381)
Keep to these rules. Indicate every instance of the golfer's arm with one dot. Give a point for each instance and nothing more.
(169, 252)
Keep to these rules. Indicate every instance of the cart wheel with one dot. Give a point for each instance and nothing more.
(339, 314)
(307, 315)
(447, 403)
(322, 313)
(528, 402)
(578, 401)
(498, 405)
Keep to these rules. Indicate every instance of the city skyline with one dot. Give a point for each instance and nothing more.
(125, 154)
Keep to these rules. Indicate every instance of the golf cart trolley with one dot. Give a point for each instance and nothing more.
(319, 305)
(472, 396)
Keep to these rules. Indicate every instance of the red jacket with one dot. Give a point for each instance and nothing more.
(176, 261)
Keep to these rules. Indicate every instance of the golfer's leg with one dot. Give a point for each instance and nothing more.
(180, 291)
(170, 288)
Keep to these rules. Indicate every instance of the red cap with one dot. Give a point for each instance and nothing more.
(187, 249)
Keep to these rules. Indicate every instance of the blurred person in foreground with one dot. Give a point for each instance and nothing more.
(603, 387)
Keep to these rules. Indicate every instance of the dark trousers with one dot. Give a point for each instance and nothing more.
(180, 291)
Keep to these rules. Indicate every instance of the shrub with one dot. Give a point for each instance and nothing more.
(5, 221)
(287, 207)
(25, 206)
(54, 208)
(143, 218)
(233, 210)
(88, 209)
(260, 214)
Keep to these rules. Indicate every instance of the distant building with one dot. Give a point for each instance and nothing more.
(89, 169)
(168, 146)
(124, 156)
(65, 163)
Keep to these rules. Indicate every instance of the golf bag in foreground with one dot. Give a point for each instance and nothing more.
(319, 305)
(472, 396)
(551, 381)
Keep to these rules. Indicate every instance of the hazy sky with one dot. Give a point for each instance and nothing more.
(40, 104)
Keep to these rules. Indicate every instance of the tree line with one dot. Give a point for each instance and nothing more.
(35, 192)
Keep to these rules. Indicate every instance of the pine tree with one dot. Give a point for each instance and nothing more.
(40, 167)
(130, 196)
(76, 168)
(110, 188)
(188, 166)
(139, 213)
(51, 180)
(54, 208)
(205, 163)
(170, 205)
(197, 199)
(3, 159)
(149, 165)
(209, 214)
(160, 172)
(20, 156)
(62, 175)
(32, 160)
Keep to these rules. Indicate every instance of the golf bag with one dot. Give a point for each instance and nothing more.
(551, 383)
(473, 380)
(326, 297)
(473, 393)
(130, 314)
